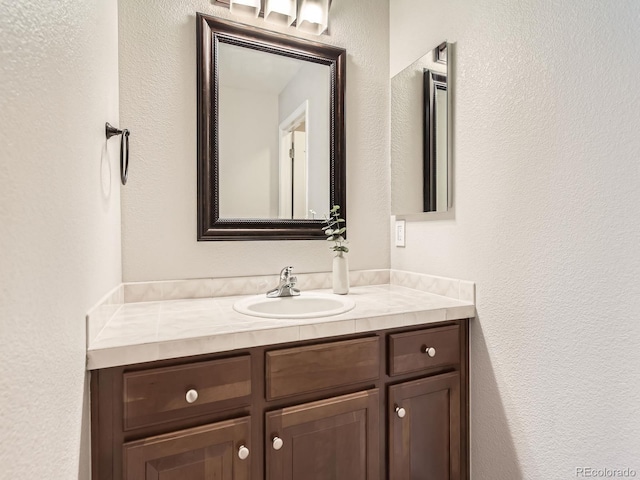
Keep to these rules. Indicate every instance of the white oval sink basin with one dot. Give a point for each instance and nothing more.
(307, 305)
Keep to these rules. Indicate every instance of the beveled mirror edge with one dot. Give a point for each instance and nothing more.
(209, 30)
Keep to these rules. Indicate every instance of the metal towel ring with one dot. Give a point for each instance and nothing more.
(110, 131)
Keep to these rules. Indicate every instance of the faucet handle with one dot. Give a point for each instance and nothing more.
(285, 273)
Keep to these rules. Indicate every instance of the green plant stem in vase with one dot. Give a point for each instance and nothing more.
(335, 230)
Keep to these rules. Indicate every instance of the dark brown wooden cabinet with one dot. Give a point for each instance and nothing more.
(158, 395)
(424, 429)
(333, 439)
(424, 349)
(211, 452)
(291, 371)
(314, 410)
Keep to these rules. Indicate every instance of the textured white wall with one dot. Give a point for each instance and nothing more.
(60, 217)
(158, 103)
(546, 221)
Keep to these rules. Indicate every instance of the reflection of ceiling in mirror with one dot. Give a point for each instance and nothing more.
(426, 61)
(255, 70)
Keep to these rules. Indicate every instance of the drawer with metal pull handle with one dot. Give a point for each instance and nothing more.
(424, 349)
(166, 394)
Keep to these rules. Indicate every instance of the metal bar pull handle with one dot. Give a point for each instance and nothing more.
(110, 131)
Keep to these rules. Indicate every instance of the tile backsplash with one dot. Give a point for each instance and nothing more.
(103, 311)
(222, 287)
(447, 287)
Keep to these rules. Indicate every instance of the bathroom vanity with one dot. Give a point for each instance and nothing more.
(388, 400)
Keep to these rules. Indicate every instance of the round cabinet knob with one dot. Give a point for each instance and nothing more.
(191, 396)
(277, 443)
(243, 452)
(429, 351)
(400, 412)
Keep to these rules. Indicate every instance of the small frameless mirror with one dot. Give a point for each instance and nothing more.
(420, 135)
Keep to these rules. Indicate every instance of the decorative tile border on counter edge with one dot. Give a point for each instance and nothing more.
(99, 315)
(447, 287)
(253, 285)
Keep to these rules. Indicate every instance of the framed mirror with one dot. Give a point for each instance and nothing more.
(421, 154)
(271, 141)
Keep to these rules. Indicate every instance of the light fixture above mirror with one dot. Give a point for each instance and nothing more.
(245, 7)
(282, 12)
(311, 16)
(314, 16)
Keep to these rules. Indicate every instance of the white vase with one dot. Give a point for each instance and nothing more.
(340, 274)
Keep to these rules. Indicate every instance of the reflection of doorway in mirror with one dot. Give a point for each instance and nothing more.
(293, 177)
(441, 150)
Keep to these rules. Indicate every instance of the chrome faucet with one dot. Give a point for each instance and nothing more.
(286, 286)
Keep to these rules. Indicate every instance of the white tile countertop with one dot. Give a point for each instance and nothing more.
(121, 333)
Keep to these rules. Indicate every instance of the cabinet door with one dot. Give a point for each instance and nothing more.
(210, 452)
(424, 429)
(333, 439)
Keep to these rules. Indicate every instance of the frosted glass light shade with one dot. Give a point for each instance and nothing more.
(313, 16)
(282, 12)
(245, 7)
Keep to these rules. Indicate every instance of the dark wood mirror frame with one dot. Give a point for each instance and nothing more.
(211, 31)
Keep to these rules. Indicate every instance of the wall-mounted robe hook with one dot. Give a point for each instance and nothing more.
(110, 131)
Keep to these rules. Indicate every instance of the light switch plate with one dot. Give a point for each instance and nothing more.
(400, 237)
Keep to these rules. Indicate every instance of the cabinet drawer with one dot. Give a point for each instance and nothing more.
(410, 352)
(292, 371)
(161, 395)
